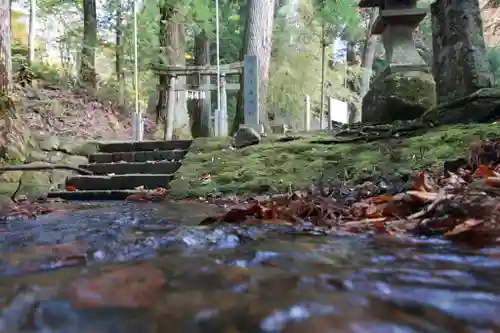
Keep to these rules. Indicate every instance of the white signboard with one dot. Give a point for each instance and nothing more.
(340, 111)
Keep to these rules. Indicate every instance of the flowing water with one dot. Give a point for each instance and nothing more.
(151, 269)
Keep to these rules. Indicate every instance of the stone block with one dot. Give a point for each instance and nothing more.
(399, 96)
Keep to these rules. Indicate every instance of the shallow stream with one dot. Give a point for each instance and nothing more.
(149, 268)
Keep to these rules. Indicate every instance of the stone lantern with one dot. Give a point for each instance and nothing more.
(405, 89)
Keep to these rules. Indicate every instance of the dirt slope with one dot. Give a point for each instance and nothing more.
(64, 113)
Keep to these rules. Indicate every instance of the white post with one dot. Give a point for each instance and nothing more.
(32, 32)
(223, 128)
(216, 122)
(134, 126)
(171, 95)
(217, 46)
(307, 114)
(330, 113)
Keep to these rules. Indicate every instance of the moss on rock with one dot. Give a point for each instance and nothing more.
(399, 96)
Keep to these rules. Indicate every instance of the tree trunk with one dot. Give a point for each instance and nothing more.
(11, 127)
(172, 46)
(258, 42)
(32, 33)
(120, 75)
(460, 65)
(369, 47)
(200, 114)
(87, 59)
(5, 50)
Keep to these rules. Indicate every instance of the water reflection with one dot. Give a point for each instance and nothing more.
(235, 278)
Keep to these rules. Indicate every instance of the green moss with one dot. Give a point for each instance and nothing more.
(399, 96)
(274, 166)
(31, 190)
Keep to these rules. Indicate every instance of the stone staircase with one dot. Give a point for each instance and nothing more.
(120, 167)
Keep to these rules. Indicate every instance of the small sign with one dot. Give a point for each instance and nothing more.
(340, 111)
(251, 90)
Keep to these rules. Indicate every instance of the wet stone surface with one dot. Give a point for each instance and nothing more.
(149, 268)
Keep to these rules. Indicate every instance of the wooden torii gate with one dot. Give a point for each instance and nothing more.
(249, 68)
(174, 72)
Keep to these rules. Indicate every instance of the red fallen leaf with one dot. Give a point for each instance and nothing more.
(135, 286)
(376, 210)
(463, 227)
(269, 212)
(484, 171)
(273, 212)
(423, 182)
(138, 197)
(70, 188)
(381, 199)
(381, 227)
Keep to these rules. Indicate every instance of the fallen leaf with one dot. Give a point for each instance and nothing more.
(423, 182)
(376, 210)
(484, 171)
(138, 197)
(70, 188)
(463, 227)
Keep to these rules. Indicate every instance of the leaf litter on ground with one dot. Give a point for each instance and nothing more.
(462, 204)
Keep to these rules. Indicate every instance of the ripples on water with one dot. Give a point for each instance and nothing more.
(230, 279)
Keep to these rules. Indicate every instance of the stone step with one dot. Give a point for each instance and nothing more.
(93, 195)
(124, 168)
(116, 147)
(139, 156)
(119, 182)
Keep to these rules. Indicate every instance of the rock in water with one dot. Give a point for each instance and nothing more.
(245, 137)
(399, 96)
